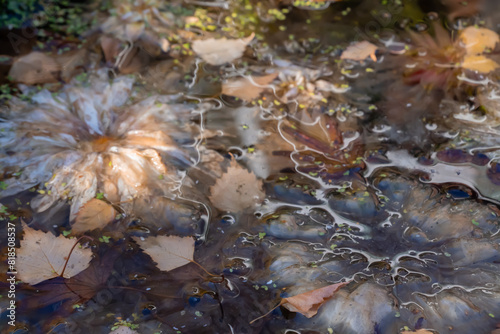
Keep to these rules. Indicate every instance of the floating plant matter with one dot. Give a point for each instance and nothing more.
(91, 139)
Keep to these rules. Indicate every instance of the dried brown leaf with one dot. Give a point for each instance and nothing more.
(479, 63)
(360, 51)
(42, 256)
(34, 68)
(236, 190)
(220, 51)
(169, 252)
(93, 214)
(478, 40)
(309, 302)
(247, 88)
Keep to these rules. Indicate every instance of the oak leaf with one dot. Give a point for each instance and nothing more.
(478, 40)
(309, 302)
(43, 256)
(93, 214)
(247, 88)
(168, 251)
(220, 51)
(360, 51)
(236, 190)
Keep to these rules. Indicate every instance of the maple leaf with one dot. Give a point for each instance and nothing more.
(360, 51)
(93, 214)
(236, 190)
(247, 88)
(308, 303)
(43, 256)
(220, 51)
(168, 251)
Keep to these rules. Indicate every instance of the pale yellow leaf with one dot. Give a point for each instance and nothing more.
(94, 214)
(220, 51)
(309, 302)
(34, 68)
(478, 40)
(42, 256)
(360, 51)
(479, 63)
(247, 88)
(236, 190)
(169, 252)
(123, 330)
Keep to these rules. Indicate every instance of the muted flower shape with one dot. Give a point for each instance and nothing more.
(90, 138)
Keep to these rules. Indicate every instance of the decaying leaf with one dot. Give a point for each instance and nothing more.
(479, 63)
(236, 190)
(309, 302)
(477, 40)
(418, 331)
(34, 68)
(220, 51)
(94, 214)
(247, 88)
(123, 330)
(360, 51)
(168, 251)
(43, 256)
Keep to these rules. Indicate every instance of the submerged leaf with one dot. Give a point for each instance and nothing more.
(123, 330)
(236, 190)
(360, 51)
(247, 88)
(93, 214)
(43, 256)
(418, 331)
(168, 251)
(34, 68)
(479, 63)
(309, 302)
(478, 40)
(220, 51)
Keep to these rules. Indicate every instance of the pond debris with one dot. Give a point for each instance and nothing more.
(168, 251)
(42, 256)
(222, 50)
(95, 214)
(359, 51)
(247, 88)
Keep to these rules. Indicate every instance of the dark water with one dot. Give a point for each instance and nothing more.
(382, 173)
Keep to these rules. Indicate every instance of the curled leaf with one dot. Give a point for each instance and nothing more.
(220, 51)
(94, 214)
(43, 256)
(169, 252)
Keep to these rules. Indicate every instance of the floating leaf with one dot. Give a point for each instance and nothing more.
(123, 330)
(247, 88)
(169, 252)
(134, 30)
(43, 256)
(220, 51)
(93, 214)
(418, 331)
(309, 302)
(478, 40)
(479, 63)
(360, 51)
(236, 190)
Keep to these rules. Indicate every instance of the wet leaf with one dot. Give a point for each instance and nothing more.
(360, 51)
(479, 63)
(93, 214)
(134, 30)
(478, 40)
(34, 68)
(247, 88)
(236, 190)
(418, 331)
(123, 330)
(220, 51)
(169, 252)
(42, 256)
(309, 302)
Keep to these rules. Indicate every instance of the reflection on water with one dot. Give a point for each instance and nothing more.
(381, 172)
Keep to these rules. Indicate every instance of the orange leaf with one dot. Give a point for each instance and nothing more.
(247, 88)
(360, 51)
(478, 40)
(309, 302)
(479, 63)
